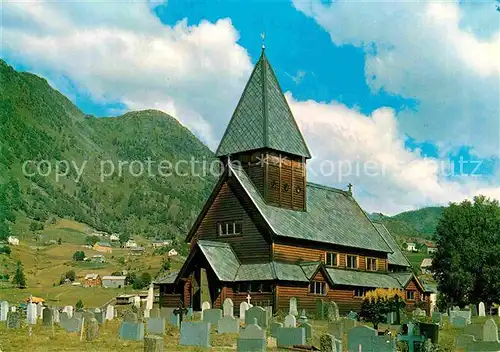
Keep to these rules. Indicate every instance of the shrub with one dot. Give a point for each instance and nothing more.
(379, 302)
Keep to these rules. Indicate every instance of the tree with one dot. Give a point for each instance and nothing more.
(19, 279)
(466, 264)
(146, 279)
(124, 237)
(79, 305)
(70, 275)
(4, 230)
(91, 240)
(166, 264)
(379, 302)
(78, 256)
(59, 241)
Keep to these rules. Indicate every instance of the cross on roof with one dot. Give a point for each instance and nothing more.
(263, 36)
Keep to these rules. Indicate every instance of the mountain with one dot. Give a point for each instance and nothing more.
(39, 124)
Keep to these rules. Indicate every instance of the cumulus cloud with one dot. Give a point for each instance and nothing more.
(125, 54)
(425, 50)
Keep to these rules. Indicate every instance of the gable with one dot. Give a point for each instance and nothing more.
(225, 207)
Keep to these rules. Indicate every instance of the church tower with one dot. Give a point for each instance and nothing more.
(264, 138)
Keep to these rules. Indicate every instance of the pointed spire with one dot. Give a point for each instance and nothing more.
(262, 118)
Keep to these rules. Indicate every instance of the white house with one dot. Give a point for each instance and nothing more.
(114, 237)
(161, 243)
(130, 244)
(172, 253)
(113, 281)
(12, 240)
(411, 247)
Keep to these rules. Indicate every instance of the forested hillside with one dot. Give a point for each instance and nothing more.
(38, 123)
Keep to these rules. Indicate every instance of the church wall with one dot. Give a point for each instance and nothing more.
(250, 246)
(292, 253)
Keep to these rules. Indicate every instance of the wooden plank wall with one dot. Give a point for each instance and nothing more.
(250, 247)
(293, 253)
(238, 297)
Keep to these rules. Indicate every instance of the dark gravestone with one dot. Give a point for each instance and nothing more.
(153, 343)
(48, 317)
(13, 320)
(92, 330)
(431, 331)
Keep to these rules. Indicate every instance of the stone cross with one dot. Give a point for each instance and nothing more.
(411, 338)
(180, 311)
(248, 298)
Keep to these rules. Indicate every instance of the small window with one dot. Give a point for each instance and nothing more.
(230, 228)
(352, 261)
(317, 288)
(359, 292)
(331, 259)
(410, 295)
(371, 264)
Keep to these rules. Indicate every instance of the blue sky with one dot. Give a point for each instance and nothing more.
(411, 87)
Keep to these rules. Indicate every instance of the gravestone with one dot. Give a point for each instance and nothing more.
(320, 309)
(195, 334)
(228, 325)
(290, 321)
(475, 330)
(100, 317)
(474, 310)
(490, 331)
(212, 316)
(228, 307)
(174, 320)
(73, 324)
(69, 310)
(130, 317)
(327, 343)
(483, 346)
(136, 301)
(482, 310)
(155, 326)
(349, 324)
(13, 320)
(430, 331)
(303, 317)
(243, 308)
(293, 306)
(88, 315)
(154, 313)
(167, 312)
(390, 318)
(4, 309)
(288, 337)
(258, 313)
(383, 343)
(110, 312)
(269, 311)
(333, 312)
(459, 322)
(48, 317)
(39, 308)
(360, 336)
(436, 317)
(252, 338)
(92, 330)
(31, 313)
(462, 341)
(153, 343)
(411, 337)
(336, 329)
(308, 329)
(419, 313)
(55, 313)
(204, 306)
(132, 330)
(274, 328)
(352, 315)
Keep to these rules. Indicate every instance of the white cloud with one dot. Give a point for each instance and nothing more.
(124, 53)
(367, 151)
(423, 50)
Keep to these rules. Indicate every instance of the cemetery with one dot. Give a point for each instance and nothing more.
(255, 329)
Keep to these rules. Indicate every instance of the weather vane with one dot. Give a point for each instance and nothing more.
(263, 36)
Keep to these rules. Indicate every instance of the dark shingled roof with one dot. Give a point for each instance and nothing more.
(262, 118)
(168, 278)
(362, 278)
(396, 257)
(332, 216)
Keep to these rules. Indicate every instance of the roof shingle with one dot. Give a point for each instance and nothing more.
(396, 257)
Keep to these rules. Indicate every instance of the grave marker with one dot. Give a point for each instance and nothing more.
(293, 306)
(288, 337)
(110, 312)
(48, 317)
(333, 312)
(490, 331)
(228, 325)
(4, 309)
(195, 334)
(482, 310)
(360, 338)
(204, 306)
(153, 343)
(243, 308)
(228, 307)
(274, 328)
(13, 320)
(252, 338)
(212, 316)
(92, 331)
(258, 313)
(290, 321)
(308, 329)
(327, 343)
(156, 326)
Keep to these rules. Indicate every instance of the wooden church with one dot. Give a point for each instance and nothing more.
(268, 233)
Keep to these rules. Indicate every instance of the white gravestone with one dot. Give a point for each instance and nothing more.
(69, 310)
(290, 321)
(243, 308)
(31, 313)
(137, 301)
(205, 305)
(110, 312)
(482, 310)
(293, 306)
(4, 310)
(490, 331)
(228, 307)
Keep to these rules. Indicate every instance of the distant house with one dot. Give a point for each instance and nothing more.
(428, 248)
(104, 247)
(130, 244)
(114, 238)
(92, 280)
(172, 253)
(124, 299)
(157, 244)
(98, 258)
(426, 266)
(113, 281)
(137, 250)
(411, 246)
(12, 240)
